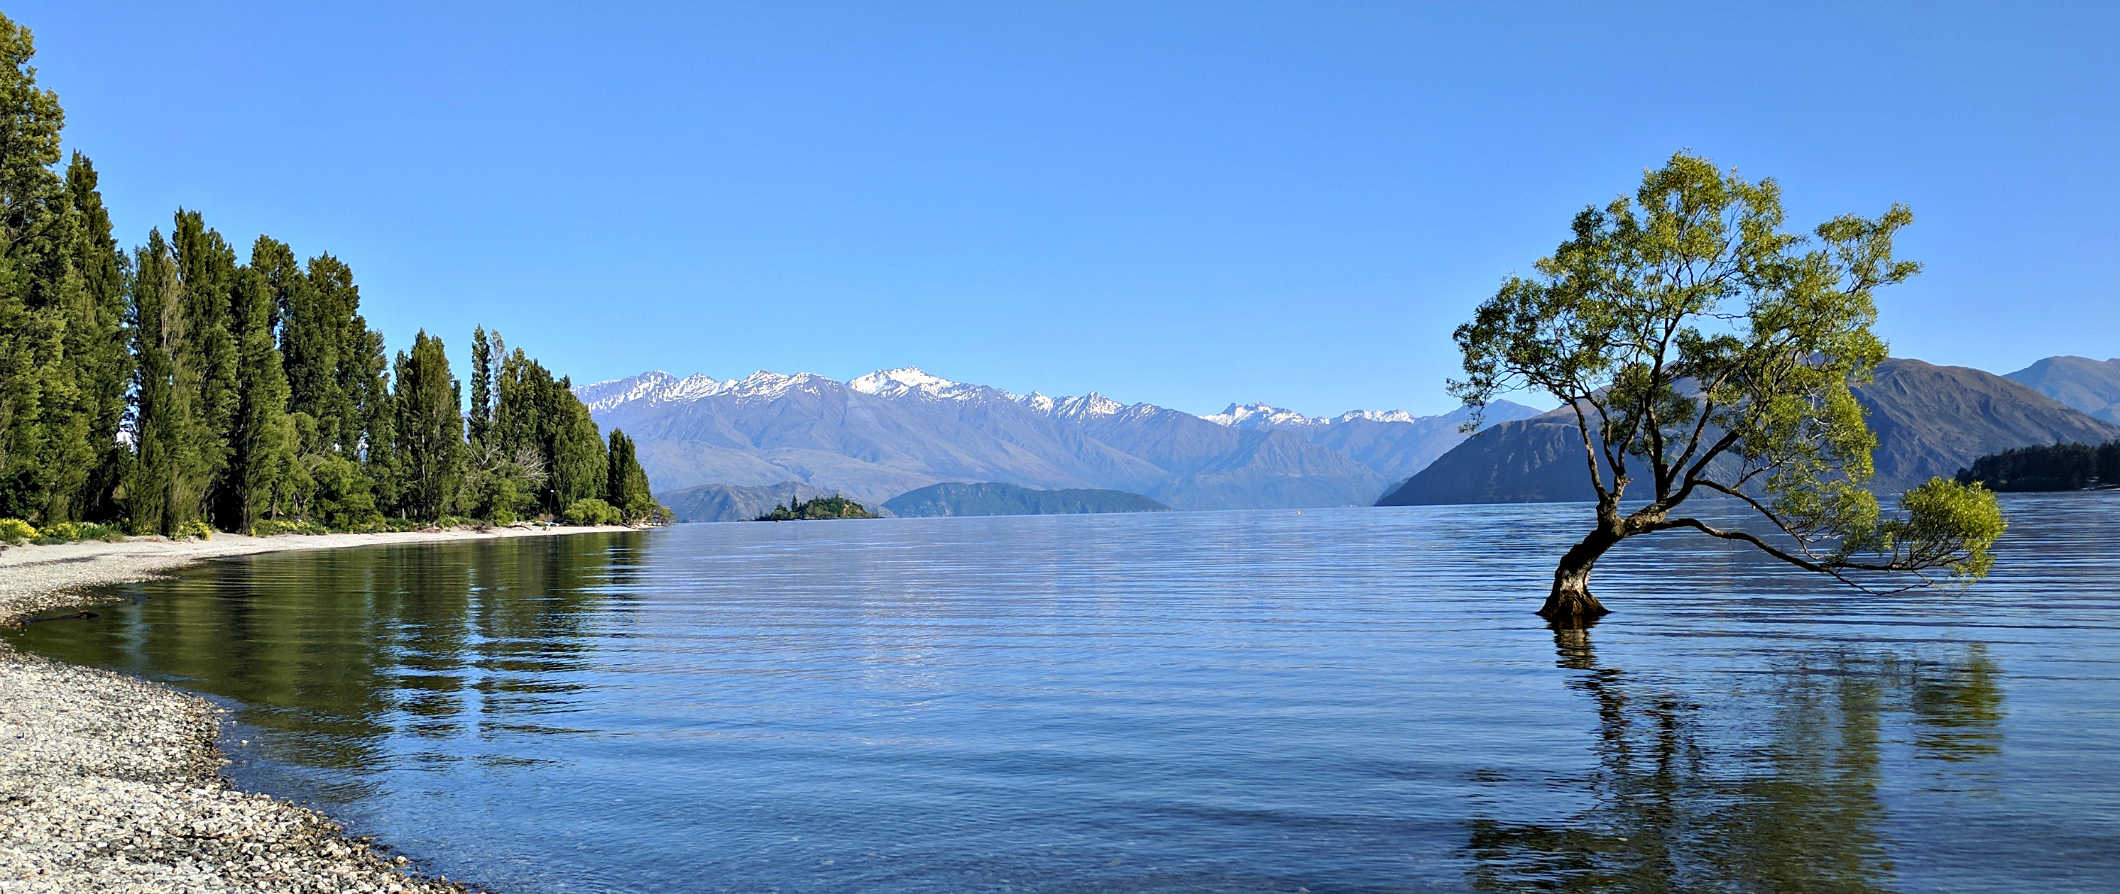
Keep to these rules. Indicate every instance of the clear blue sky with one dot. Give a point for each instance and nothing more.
(1178, 203)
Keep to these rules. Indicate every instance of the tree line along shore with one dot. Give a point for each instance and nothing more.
(2050, 467)
(176, 389)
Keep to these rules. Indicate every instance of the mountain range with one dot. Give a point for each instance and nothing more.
(892, 431)
(1929, 420)
(2092, 386)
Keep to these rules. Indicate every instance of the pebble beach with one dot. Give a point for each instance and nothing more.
(110, 783)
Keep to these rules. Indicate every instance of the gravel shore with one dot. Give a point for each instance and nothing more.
(108, 783)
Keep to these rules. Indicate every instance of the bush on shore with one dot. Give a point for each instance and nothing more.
(267, 527)
(591, 511)
(15, 532)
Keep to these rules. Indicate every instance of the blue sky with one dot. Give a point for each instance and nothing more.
(1187, 204)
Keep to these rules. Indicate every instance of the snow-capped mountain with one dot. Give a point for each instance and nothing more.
(891, 431)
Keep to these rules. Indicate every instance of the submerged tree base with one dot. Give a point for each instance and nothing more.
(1572, 608)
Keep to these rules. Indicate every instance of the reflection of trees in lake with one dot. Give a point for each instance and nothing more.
(336, 651)
(1787, 801)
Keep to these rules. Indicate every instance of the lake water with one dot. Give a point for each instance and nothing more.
(1342, 700)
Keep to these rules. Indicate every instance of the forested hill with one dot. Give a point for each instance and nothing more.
(179, 385)
(2048, 467)
(1929, 421)
(1009, 499)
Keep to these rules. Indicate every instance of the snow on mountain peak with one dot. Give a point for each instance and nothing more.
(1377, 416)
(1091, 404)
(907, 380)
(1259, 416)
(659, 387)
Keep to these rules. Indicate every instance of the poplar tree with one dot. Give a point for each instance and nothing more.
(481, 386)
(429, 429)
(32, 321)
(263, 437)
(312, 335)
(168, 475)
(626, 484)
(98, 343)
(207, 267)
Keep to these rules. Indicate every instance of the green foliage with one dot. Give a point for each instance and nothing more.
(590, 511)
(262, 442)
(196, 529)
(39, 290)
(430, 433)
(535, 412)
(820, 508)
(98, 345)
(71, 532)
(15, 531)
(481, 416)
(1693, 336)
(169, 474)
(2048, 468)
(344, 499)
(271, 527)
(626, 483)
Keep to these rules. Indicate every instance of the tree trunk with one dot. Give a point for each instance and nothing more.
(1570, 604)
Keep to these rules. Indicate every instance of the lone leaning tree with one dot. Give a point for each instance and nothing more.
(1690, 334)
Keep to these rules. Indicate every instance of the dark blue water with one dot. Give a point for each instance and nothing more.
(1343, 700)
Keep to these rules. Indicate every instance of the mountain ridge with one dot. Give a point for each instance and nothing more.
(955, 498)
(884, 433)
(1929, 420)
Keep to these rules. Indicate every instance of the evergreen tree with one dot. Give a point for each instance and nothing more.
(429, 429)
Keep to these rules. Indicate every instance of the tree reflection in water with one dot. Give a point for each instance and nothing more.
(1784, 798)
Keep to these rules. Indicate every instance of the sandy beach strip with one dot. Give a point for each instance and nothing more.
(109, 783)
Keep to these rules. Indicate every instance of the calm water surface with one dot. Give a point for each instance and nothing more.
(1341, 700)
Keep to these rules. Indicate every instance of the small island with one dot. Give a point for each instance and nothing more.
(834, 506)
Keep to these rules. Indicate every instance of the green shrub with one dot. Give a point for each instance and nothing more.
(591, 511)
(59, 532)
(455, 521)
(268, 527)
(94, 531)
(194, 530)
(15, 532)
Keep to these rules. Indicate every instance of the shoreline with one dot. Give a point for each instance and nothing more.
(112, 783)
